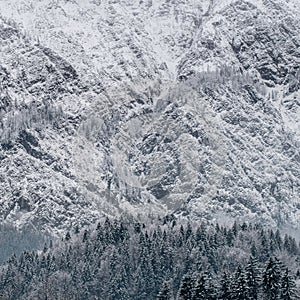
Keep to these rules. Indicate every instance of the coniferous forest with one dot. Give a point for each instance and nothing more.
(117, 260)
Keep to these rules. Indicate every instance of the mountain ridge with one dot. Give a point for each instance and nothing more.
(149, 109)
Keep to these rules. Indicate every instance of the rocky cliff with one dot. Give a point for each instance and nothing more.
(149, 108)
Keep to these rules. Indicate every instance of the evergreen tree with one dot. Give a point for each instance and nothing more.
(199, 288)
(253, 275)
(271, 280)
(76, 229)
(68, 236)
(116, 261)
(165, 292)
(288, 286)
(253, 250)
(211, 291)
(225, 292)
(278, 239)
(265, 246)
(85, 236)
(189, 231)
(186, 288)
(240, 289)
(235, 228)
(230, 238)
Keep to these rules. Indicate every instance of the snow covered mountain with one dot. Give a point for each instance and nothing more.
(123, 107)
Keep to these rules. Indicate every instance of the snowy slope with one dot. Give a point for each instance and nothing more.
(149, 108)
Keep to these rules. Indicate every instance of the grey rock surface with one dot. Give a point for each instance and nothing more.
(148, 108)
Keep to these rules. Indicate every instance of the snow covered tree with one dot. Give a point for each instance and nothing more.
(116, 261)
(240, 289)
(253, 275)
(288, 286)
(203, 288)
(271, 280)
(68, 236)
(225, 292)
(186, 288)
(211, 292)
(165, 292)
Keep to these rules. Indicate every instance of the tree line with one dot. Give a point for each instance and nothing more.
(120, 260)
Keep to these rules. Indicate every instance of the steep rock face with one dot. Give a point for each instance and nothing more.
(148, 108)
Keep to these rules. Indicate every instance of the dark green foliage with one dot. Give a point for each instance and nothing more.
(117, 260)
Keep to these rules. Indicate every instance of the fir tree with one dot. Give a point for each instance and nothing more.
(128, 264)
(253, 275)
(225, 292)
(288, 286)
(199, 288)
(68, 236)
(278, 239)
(240, 289)
(271, 280)
(165, 292)
(186, 288)
(211, 292)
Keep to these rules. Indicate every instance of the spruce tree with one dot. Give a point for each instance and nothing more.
(288, 285)
(225, 291)
(211, 291)
(165, 292)
(240, 289)
(278, 239)
(68, 236)
(271, 280)
(199, 289)
(253, 274)
(186, 288)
